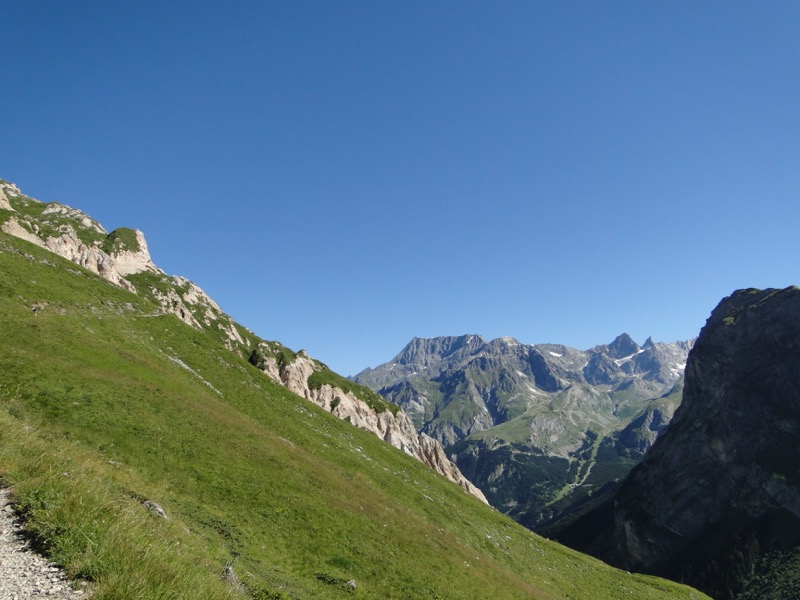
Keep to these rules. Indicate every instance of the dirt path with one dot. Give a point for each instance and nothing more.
(23, 573)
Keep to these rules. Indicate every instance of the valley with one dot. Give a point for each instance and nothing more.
(539, 428)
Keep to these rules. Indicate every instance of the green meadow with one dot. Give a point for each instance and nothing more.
(105, 404)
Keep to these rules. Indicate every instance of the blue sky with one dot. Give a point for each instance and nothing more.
(344, 176)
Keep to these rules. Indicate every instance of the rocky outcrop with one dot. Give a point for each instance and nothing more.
(396, 429)
(720, 489)
(67, 231)
(114, 256)
(4, 204)
(82, 220)
(69, 246)
(12, 227)
(134, 258)
(123, 253)
(175, 303)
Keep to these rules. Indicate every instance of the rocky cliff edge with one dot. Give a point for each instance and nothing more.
(122, 258)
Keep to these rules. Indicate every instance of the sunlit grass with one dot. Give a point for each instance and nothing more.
(103, 405)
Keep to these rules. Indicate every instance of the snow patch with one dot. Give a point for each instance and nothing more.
(534, 391)
(625, 359)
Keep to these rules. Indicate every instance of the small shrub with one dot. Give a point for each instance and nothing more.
(257, 359)
(121, 240)
(262, 593)
(345, 584)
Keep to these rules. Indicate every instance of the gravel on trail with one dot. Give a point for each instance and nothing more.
(25, 574)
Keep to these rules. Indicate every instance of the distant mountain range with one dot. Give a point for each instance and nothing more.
(541, 428)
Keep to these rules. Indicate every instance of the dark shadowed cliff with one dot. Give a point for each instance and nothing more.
(716, 502)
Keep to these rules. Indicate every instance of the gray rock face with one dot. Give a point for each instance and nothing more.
(641, 433)
(720, 490)
(421, 356)
(622, 346)
(528, 424)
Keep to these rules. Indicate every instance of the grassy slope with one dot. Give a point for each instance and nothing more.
(97, 413)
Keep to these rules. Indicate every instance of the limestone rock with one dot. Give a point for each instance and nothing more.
(395, 429)
(73, 214)
(155, 508)
(4, 204)
(135, 260)
(124, 252)
(13, 227)
(172, 303)
(69, 246)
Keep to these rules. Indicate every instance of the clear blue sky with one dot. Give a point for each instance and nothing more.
(343, 176)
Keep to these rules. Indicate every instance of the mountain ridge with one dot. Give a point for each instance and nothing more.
(122, 258)
(530, 423)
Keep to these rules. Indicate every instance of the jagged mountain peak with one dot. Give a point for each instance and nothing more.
(623, 346)
(505, 341)
(553, 404)
(423, 350)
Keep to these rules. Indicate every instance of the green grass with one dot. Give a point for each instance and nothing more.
(121, 240)
(283, 355)
(103, 405)
(157, 281)
(79, 513)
